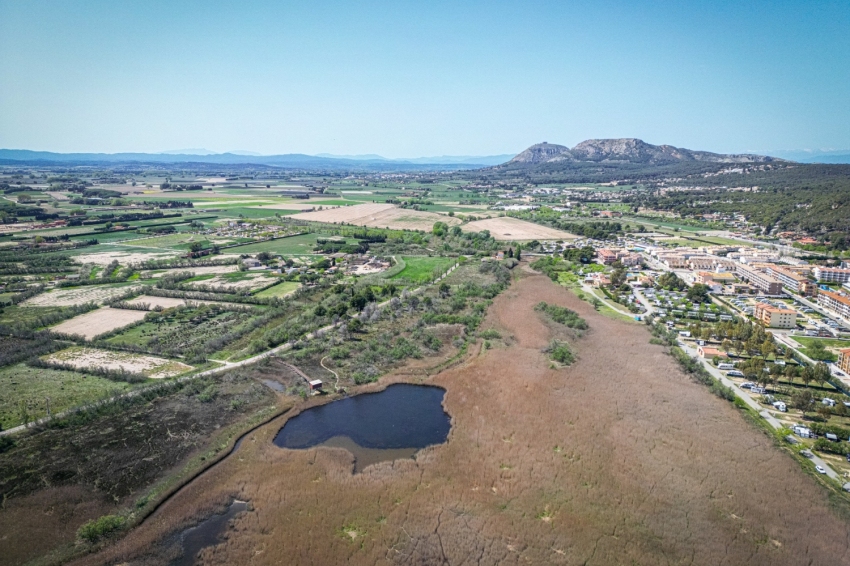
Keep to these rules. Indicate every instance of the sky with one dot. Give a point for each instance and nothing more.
(406, 79)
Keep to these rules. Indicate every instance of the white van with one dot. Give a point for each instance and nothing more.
(725, 366)
(780, 406)
(735, 373)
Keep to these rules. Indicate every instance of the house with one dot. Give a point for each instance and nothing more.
(708, 352)
(251, 263)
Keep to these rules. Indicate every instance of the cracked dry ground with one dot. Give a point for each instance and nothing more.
(618, 459)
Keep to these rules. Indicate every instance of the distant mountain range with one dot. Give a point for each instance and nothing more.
(293, 160)
(814, 155)
(625, 151)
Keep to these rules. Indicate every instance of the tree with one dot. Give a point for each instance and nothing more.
(196, 247)
(518, 252)
(699, 294)
(821, 373)
(445, 290)
(816, 351)
(803, 400)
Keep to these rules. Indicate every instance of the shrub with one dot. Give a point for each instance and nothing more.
(560, 352)
(562, 315)
(98, 528)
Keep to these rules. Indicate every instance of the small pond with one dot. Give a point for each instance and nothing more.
(206, 534)
(388, 425)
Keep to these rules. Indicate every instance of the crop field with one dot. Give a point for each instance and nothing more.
(149, 366)
(179, 240)
(378, 215)
(514, 229)
(32, 387)
(123, 254)
(78, 295)
(300, 206)
(202, 270)
(232, 282)
(99, 321)
(300, 245)
(282, 289)
(421, 269)
(601, 483)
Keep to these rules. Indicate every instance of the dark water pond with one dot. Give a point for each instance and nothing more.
(206, 534)
(387, 425)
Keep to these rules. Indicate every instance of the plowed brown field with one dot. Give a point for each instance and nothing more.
(618, 459)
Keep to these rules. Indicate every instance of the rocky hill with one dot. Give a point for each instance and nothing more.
(626, 150)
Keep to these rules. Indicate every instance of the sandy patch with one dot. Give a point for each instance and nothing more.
(203, 270)
(254, 282)
(99, 321)
(378, 215)
(124, 258)
(57, 195)
(507, 228)
(150, 366)
(77, 296)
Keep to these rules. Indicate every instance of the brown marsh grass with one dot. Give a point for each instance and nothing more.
(617, 459)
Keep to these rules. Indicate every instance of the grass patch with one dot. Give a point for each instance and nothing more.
(26, 389)
(281, 289)
(421, 269)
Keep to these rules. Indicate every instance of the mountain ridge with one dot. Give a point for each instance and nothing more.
(625, 150)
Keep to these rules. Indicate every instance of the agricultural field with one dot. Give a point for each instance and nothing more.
(84, 358)
(378, 215)
(202, 270)
(78, 295)
(97, 322)
(421, 269)
(232, 282)
(26, 390)
(292, 245)
(282, 289)
(513, 229)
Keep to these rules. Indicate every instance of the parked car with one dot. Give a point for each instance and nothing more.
(746, 384)
(820, 469)
(806, 453)
(735, 373)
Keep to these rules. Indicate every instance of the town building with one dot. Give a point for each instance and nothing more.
(606, 256)
(760, 280)
(790, 279)
(775, 317)
(831, 274)
(835, 302)
(844, 360)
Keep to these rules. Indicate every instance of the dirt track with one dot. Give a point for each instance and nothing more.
(619, 459)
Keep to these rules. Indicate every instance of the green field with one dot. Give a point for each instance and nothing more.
(828, 343)
(66, 389)
(292, 245)
(420, 269)
(281, 289)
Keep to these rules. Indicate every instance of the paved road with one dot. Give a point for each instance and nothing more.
(752, 403)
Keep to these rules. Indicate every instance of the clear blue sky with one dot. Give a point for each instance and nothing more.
(402, 78)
